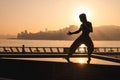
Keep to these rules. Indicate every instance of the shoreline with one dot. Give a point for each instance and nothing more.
(58, 39)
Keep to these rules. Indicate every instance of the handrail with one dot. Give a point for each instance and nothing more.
(23, 49)
(58, 52)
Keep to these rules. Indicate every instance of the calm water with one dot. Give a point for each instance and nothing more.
(59, 43)
(53, 43)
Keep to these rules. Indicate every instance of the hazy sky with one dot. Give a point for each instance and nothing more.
(36, 15)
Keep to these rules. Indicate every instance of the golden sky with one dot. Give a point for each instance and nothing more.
(37, 15)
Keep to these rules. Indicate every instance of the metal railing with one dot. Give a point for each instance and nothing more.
(104, 53)
(23, 49)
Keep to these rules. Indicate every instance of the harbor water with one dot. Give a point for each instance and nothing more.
(59, 43)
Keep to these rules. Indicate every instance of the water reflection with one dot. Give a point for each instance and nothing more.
(82, 48)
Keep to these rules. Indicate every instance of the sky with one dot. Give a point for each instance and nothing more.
(38, 15)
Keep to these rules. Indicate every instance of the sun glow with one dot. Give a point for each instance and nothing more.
(82, 48)
(81, 61)
(83, 45)
(79, 11)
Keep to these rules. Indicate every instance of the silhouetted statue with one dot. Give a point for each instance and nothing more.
(84, 38)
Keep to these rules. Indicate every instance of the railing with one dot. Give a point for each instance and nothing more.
(107, 50)
(59, 52)
(24, 49)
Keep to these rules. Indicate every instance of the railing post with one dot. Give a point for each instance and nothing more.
(17, 49)
(66, 50)
(104, 49)
(4, 49)
(11, 49)
(51, 50)
(23, 49)
(84, 50)
(58, 50)
(117, 49)
(30, 49)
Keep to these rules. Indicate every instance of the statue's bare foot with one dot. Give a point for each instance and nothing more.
(88, 62)
(68, 60)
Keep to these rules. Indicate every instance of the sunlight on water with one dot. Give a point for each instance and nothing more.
(60, 43)
(82, 48)
(53, 43)
(83, 45)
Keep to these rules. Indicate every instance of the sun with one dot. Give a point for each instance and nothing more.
(79, 11)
